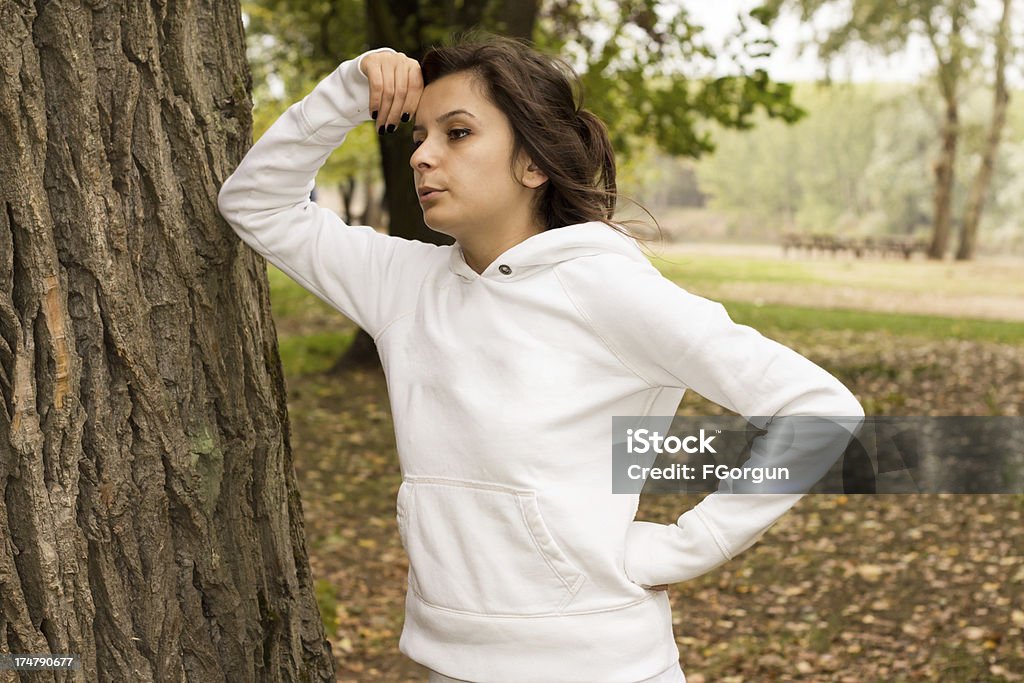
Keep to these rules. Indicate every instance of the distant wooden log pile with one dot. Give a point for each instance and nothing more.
(883, 246)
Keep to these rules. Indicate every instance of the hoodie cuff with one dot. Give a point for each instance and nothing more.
(659, 554)
(339, 102)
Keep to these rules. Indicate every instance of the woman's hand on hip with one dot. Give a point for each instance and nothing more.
(396, 85)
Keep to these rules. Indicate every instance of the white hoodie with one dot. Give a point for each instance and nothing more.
(523, 564)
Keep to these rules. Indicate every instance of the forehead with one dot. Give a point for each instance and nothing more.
(453, 93)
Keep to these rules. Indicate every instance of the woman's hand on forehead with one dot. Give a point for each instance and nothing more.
(396, 85)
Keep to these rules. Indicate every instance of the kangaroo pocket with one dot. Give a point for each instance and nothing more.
(482, 548)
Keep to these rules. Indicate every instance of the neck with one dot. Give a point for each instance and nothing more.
(481, 252)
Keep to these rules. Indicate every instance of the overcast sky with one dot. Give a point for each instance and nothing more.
(787, 64)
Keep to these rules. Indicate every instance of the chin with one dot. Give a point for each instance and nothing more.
(441, 228)
(443, 232)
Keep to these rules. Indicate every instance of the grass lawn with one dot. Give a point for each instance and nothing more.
(989, 289)
(774, 317)
(312, 334)
(708, 264)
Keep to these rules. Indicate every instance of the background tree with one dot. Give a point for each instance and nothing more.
(1000, 104)
(649, 79)
(149, 517)
(958, 35)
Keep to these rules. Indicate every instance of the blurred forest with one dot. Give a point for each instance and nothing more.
(859, 163)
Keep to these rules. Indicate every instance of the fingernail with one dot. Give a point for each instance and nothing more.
(405, 117)
(380, 131)
(391, 127)
(374, 115)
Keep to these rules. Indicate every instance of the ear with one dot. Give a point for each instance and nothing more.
(533, 177)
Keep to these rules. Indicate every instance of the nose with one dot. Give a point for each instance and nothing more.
(422, 157)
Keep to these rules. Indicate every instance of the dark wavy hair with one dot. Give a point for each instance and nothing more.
(542, 97)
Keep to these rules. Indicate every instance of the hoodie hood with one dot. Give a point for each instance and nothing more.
(547, 249)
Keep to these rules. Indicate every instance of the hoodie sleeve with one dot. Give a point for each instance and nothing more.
(369, 277)
(672, 338)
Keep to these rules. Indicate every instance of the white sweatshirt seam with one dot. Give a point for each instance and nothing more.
(385, 328)
(411, 310)
(719, 541)
(312, 133)
(571, 588)
(305, 127)
(593, 329)
(541, 615)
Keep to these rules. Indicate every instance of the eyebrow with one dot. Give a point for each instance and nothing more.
(445, 117)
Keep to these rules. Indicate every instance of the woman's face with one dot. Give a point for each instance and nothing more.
(466, 154)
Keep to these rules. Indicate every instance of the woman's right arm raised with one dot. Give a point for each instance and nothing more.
(368, 276)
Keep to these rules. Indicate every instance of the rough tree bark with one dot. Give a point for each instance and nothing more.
(149, 515)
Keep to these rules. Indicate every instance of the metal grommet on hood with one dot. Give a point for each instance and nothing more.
(504, 270)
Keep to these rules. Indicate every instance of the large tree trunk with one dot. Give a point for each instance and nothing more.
(149, 516)
(983, 178)
(516, 18)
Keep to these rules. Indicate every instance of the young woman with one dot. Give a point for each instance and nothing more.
(506, 356)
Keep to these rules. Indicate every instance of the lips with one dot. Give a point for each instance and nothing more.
(427, 194)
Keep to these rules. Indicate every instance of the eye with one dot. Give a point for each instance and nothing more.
(417, 143)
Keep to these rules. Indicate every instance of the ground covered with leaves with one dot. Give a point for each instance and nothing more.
(843, 588)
